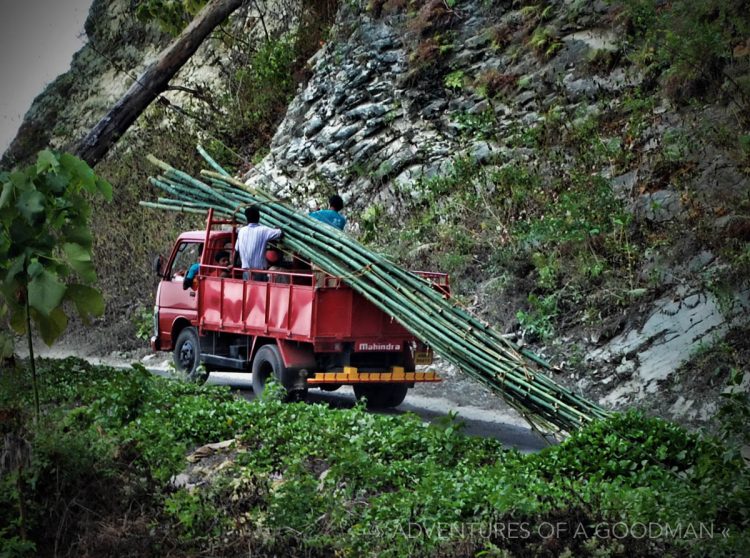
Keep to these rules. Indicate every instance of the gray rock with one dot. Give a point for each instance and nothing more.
(478, 41)
(659, 206)
(700, 261)
(480, 107)
(671, 333)
(733, 226)
(313, 126)
(577, 89)
(347, 131)
(312, 92)
(368, 110)
(531, 118)
(524, 98)
(624, 185)
(363, 150)
(434, 109)
(595, 39)
(373, 126)
(481, 152)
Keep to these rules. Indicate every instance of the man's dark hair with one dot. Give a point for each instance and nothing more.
(336, 202)
(221, 254)
(252, 214)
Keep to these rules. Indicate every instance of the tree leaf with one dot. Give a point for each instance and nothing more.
(79, 258)
(78, 234)
(35, 268)
(105, 188)
(6, 193)
(17, 318)
(45, 292)
(7, 346)
(21, 181)
(45, 161)
(89, 302)
(52, 326)
(30, 204)
(56, 183)
(80, 171)
(14, 269)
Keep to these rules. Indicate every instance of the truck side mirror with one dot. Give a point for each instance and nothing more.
(157, 265)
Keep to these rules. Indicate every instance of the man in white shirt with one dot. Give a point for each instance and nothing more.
(251, 242)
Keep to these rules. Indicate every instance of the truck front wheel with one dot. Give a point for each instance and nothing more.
(187, 356)
(381, 396)
(268, 365)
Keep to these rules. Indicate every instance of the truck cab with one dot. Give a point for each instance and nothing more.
(292, 322)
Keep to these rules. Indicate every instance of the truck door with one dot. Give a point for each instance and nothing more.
(174, 301)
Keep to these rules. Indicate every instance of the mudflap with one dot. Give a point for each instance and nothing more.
(299, 360)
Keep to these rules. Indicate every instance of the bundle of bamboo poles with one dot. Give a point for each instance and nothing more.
(460, 338)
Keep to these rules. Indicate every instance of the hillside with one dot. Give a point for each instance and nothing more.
(580, 168)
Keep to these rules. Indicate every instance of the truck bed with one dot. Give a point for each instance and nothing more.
(293, 306)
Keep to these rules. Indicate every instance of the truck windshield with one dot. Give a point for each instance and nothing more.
(188, 253)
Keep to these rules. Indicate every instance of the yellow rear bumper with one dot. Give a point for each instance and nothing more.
(351, 375)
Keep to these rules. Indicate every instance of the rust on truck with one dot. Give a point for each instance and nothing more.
(299, 325)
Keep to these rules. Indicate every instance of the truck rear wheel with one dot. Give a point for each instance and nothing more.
(381, 396)
(268, 365)
(187, 356)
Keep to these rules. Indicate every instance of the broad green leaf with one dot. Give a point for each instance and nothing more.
(35, 268)
(78, 234)
(56, 183)
(17, 318)
(23, 233)
(80, 171)
(45, 161)
(14, 269)
(30, 204)
(79, 258)
(105, 188)
(6, 345)
(5, 196)
(52, 326)
(45, 292)
(89, 302)
(21, 181)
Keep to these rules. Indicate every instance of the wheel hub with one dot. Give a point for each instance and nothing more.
(187, 355)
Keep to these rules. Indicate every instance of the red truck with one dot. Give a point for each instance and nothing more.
(299, 325)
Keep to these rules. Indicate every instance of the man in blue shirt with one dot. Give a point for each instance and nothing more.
(332, 216)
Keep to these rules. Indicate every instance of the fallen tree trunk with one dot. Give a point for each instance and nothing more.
(153, 81)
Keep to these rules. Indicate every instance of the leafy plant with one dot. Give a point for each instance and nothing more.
(143, 321)
(45, 248)
(305, 480)
(690, 43)
(454, 80)
(171, 15)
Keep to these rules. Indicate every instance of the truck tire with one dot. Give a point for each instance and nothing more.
(267, 365)
(187, 356)
(381, 396)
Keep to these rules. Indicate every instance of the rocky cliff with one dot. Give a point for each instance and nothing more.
(587, 188)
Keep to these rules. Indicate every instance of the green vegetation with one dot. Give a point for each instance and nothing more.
(45, 248)
(92, 477)
(696, 45)
(171, 15)
(549, 220)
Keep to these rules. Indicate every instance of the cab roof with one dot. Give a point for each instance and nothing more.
(200, 236)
